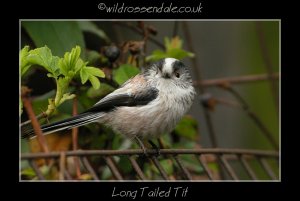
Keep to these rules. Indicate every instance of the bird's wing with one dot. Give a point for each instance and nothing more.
(136, 91)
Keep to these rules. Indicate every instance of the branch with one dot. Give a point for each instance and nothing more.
(35, 124)
(253, 116)
(236, 80)
(75, 138)
(268, 62)
(137, 30)
(263, 153)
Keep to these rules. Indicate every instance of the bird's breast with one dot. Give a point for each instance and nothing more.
(157, 117)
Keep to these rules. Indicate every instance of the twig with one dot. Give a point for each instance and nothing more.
(145, 32)
(237, 80)
(137, 30)
(75, 138)
(268, 62)
(62, 165)
(35, 124)
(137, 168)
(89, 168)
(264, 153)
(36, 170)
(229, 103)
(38, 117)
(253, 116)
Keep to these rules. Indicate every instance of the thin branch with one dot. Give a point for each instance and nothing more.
(263, 153)
(75, 138)
(35, 124)
(137, 168)
(145, 35)
(229, 103)
(137, 30)
(113, 168)
(236, 80)
(89, 168)
(253, 116)
(268, 62)
(36, 170)
(62, 166)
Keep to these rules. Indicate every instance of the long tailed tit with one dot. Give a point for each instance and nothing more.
(147, 105)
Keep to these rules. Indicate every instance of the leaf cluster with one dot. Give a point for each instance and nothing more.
(62, 70)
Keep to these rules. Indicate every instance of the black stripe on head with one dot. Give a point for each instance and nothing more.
(159, 64)
(177, 65)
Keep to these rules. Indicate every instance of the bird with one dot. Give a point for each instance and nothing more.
(144, 107)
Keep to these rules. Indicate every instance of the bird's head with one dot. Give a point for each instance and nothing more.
(170, 70)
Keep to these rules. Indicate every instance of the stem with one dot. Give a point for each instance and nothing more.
(75, 138)
(59, 93)
(35, 124)
(236, 80)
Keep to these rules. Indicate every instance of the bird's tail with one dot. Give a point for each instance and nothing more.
(65, 124)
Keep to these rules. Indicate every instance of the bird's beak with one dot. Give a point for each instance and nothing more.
(166, 75)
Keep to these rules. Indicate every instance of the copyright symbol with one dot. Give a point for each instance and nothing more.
(101, 6)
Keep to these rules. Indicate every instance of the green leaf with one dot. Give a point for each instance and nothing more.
(156, 55)
(84, 76)
(94, 71)
(24, 64)
(187, 128)
(94, 81)
(59, 36)
(90, 73)
(79, 64)
(124, 72)
(173, 50)
(43, 56)
(71, 62)
(29, 173)
(101, 92)
(179, 53)
(92, 28)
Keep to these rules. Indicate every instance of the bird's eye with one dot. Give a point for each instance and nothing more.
(177, 74)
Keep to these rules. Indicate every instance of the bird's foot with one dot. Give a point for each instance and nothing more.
(142, 146)
(155, 147)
